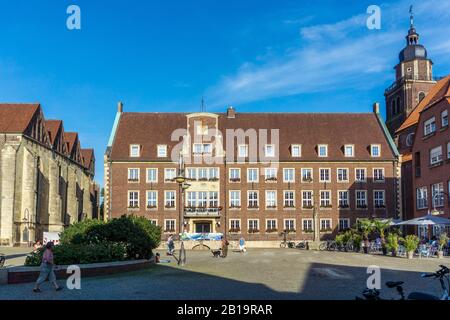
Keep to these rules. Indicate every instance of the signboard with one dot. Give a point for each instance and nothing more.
(202, 236)
(51, 237)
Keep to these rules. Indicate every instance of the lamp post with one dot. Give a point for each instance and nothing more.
(438, 194)
(181, 180)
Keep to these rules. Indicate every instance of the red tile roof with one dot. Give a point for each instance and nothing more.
(52, 127)
(15, 118)
(307, 129)
(439, 91)
(87, 155)
(70, 138)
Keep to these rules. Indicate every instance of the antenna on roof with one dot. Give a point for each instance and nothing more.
(202, 109)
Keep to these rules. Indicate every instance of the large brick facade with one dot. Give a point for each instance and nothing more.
(151, 130)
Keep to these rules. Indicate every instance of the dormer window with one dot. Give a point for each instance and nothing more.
(202, 130)
(243, 151)
(135, 150)
(322, 150)
(349, 150)
(269, 150)
(296, 150)
(375, 150)
(162, 151)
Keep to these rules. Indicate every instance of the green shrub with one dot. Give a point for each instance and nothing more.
(411, 242)
(340, 240)
(443, 240)
(67, 254)
(392, 242)
(78, 233)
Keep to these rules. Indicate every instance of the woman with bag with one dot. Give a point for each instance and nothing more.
(47, 271)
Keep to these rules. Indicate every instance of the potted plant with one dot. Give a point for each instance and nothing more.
(366, 227)
(443, 240)
(411, 242)
(392, 243)
(380, 226)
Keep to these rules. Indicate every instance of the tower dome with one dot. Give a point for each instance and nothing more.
(413, 49)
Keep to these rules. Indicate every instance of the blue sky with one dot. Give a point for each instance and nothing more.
(293, 56)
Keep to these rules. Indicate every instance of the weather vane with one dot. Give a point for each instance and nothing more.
(411, 15)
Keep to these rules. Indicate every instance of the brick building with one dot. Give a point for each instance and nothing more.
(251, 174)
(46, 179)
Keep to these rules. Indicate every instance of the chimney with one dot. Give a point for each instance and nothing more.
(120, 107)
(231, 113)
(376, 108)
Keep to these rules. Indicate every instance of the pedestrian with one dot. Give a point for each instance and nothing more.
(170, 246)
(47, 269)
(37, 246)
(225, 244)
(242, 248)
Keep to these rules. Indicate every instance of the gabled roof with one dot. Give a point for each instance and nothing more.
(15, 118)
(70, 138)
(52, 127)
(307, 129)
(439, 91)
(87, 155)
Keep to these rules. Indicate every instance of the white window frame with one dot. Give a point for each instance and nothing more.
(266, 153)
(138, 150)
(312, 175)
(147, 193)
(172, 221)
(270, 177)
(360, 199)
(253, 220)
(422, 202)
(437, 202)
(293, 224)
(429, 126)
(347, 174)
(163, 148)
(231, 177)
(326, 150)
(166, 179)
(296, 146)
(293, 175)
(435, 157)
(249, 201)
(130, 178)
(448, 151)
(341, 200)
(270, 206)
(372, 154)
(329, 175)
(273, 228)
(310, 222)
(147, 174)
(381, 202)
(285, 200)
(138, 200)
(365, 175)
(235, 203)
(330, 228)
(310, 201)
(233, 221)
(325, 202)
(352, 146)
(444, 118)
(245, 154)
(174, 200)
(257, 175)
(375, 176)
(343, 219)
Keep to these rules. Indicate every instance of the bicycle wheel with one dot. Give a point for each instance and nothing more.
(322, 246)
(332, 246)
(283, 245)
(350, 247)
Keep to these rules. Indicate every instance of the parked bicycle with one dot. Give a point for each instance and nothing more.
(328, 246)
(442, 275)
(302, 245)
(2, 260)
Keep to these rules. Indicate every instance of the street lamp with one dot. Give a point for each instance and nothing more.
(181, 180)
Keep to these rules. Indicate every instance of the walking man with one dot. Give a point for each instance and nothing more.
(47, 271)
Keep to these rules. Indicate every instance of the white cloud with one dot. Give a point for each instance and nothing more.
(344, 55)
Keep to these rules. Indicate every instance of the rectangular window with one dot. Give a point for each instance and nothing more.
(154, 222)
(213, 199)
(375, 150)
(378, 199)
(307, 225)
(378, 174)
(213, 174)
(444, 118)
(133, 199)
(252, 198)
(191, 174)
(288, 175)
(344, 224)
(202, 174)
(235, 225)
(169, 175)
(169, 199)
(235, 199)
(429, 126)
(322, 150)
(307, 199)
(253, 175)
(437, 194)
(162, 151)
(361, 199)
(270, 174)
(271, 199)
(152, 175)
(436, 155)
(448, 150)
(235, 175)
(133, 175)
(169, 225)
(360, 174)
(135, 150)
(271, 225)
(288, 199)
(296, 150)
(269, 150)
(325, 175)
(325, 225)
(202, 199)
(253, 225)
(243, 151)
(307, 175)
(152, 199)
(325, 199)
(349, 150)
(422, 198)
(289, 225)
(342, 175)
(343, 198)
(191, 199)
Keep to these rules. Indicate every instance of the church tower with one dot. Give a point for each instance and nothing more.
(413, 80)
